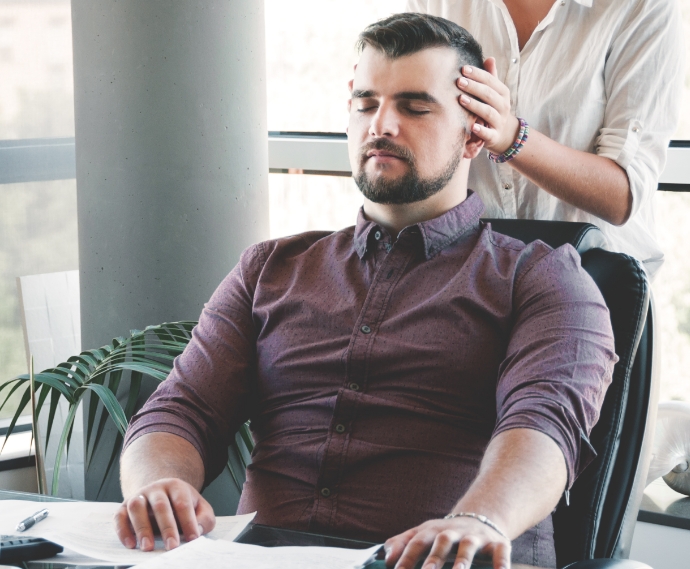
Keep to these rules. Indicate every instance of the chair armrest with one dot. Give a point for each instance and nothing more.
(608, 564)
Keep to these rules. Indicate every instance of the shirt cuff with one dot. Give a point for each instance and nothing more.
(620, 145)
(165, 422)
(558, 424)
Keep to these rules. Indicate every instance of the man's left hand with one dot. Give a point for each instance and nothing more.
(438, 537)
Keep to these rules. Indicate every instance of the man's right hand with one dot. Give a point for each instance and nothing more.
(170, 506)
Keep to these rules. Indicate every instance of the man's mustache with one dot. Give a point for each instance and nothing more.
(387, 146)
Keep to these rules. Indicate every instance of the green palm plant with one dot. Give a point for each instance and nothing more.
(149, 352)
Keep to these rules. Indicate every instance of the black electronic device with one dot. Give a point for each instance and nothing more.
(26, 548)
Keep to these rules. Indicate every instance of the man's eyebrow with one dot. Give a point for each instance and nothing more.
(404, 95)
(367, 94)
(415, 96)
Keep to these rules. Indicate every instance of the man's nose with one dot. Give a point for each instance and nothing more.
(385, 122)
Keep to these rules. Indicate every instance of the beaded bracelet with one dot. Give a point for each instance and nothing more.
(478, 517)
(523, 135)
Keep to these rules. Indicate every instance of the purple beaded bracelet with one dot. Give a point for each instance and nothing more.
(523, 135)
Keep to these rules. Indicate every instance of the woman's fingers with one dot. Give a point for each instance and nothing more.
(483, 110)
(490, 66)
(485, 94)
(486, 78)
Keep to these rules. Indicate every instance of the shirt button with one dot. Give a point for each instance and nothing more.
(365, 329)
(325, 492)
(354, 386)
(514, 60)
(387, 246)
(636, 129)
(377, 235)
(508, 186)
(340, 429)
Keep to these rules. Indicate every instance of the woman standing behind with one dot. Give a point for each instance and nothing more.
(598, 82)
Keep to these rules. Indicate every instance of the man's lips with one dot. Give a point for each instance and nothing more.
(382, 154)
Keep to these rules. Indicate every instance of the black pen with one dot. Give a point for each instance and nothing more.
(31, 520)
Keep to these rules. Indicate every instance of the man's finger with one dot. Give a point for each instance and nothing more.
(138, 512)
(500, 555)
(205, 516)
(395, 546)
(184, 512)
(440, 549)
(466, 550)
(415, 549)
(165, 518)
(123, 528)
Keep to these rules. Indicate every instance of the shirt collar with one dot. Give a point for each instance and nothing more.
(436, 233)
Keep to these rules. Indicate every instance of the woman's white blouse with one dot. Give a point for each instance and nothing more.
(602, 76)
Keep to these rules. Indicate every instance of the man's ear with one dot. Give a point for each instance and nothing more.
(474, 144)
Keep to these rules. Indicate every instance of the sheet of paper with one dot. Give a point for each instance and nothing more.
(211, 554)
(87, 528)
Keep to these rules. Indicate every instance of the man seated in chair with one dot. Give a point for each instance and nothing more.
(416, 378)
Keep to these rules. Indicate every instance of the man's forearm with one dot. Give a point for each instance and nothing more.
(156, 456)
(522, 476)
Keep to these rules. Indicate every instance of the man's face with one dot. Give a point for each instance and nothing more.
(407, 132)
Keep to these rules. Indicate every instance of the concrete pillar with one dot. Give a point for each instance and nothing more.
(171, 153)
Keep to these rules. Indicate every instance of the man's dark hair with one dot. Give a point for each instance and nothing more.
(408, 33)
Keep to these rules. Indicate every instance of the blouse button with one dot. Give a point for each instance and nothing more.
(514, 60)
(354, 386)
(365, 329)
(340, 429)
(325, 492)
(377, 235)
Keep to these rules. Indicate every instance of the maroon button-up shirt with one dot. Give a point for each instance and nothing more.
(375, 372)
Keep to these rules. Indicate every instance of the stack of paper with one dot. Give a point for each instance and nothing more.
(86, 530)
(209, 554)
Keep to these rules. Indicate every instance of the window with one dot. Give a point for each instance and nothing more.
(684, 126)
(310, 53)
(38, 220)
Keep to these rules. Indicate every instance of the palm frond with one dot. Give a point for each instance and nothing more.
(149, 352)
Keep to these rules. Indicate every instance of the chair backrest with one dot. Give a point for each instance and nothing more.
(605, 498)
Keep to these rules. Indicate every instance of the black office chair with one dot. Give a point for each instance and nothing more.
(600, 520)
(595, 530)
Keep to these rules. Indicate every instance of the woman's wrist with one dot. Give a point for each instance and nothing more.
(512, 131)
(516, 146)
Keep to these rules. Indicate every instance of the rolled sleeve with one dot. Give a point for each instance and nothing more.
(208, 394)
(643, 81)
(560, 357)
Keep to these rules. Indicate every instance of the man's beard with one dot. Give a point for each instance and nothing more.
(410, 187)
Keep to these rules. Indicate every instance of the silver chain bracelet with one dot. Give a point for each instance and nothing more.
(478, 517)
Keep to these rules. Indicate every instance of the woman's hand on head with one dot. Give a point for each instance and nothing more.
(489, 99)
